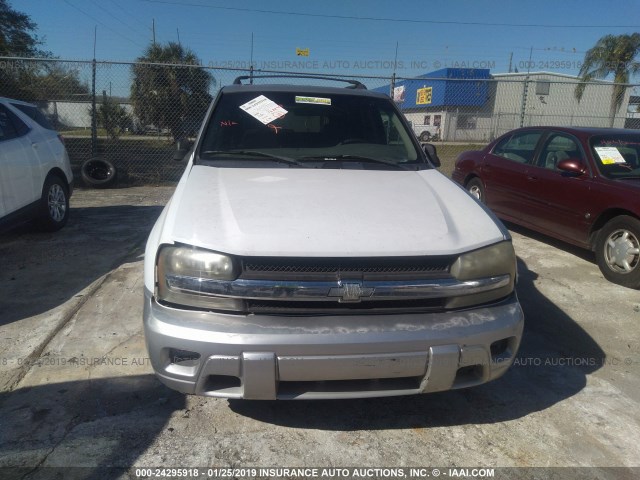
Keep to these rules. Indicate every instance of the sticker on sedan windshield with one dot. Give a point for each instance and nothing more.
(610, 155)
(314, 100)
(263, 109)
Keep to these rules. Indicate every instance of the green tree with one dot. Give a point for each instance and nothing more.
(113, 117)
(611, 55)
(170, 89)
(35, 81)
(17, 34)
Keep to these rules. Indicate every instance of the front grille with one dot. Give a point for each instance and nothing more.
(319, 269)
(279, 307)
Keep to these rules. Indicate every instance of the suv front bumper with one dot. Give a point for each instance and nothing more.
(335, 356)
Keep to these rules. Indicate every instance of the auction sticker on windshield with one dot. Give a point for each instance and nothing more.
(314, 100)
(610, 155)
(263, 109)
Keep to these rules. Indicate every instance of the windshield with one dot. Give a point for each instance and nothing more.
(293, 129)
(617, 156)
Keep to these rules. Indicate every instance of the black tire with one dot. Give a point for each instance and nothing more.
(54, 204)
(618, 251)
(98, 173)
(476, 188)
(425, 136)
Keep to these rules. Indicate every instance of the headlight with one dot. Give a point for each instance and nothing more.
(183, 271)
(493, 261)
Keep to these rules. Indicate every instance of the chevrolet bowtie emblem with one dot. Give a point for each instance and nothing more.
(351, 292)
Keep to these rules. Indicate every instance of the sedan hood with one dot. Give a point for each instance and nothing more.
(326, 212)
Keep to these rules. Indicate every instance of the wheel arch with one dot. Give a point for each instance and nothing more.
(603, 219)
(56, 172)
(470, 176)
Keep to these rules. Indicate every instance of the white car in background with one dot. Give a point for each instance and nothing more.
(35, 175)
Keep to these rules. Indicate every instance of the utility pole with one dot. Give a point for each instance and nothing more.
(510, 60)
(153, 29)
(178, 31)
(525, 89)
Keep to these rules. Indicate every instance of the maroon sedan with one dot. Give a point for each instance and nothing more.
(580, 185)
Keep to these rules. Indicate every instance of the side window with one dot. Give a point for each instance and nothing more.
(427, 119)
(558, 147)
(519, 147)
(35, 115)
(10, 125)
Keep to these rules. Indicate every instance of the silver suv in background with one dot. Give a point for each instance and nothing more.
(35, 175)
(311, 250)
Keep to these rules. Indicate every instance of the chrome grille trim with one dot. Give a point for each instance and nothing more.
(326, 290)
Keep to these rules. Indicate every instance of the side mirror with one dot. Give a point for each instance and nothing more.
(430, 150)
(182, 148)
(573, 166)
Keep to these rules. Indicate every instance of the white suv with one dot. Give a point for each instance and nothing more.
(35, 174)
(311, 250)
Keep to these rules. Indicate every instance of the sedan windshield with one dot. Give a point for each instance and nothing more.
(304, 130)
(617, 156)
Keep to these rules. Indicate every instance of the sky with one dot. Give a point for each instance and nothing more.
(354, 37)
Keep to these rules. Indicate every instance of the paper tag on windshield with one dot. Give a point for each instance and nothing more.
(263, 109)
(610, 155)
(315, 100)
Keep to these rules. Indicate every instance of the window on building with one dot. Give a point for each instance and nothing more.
(542, 87)
(427, 119)
(467, 122)
(437, 119)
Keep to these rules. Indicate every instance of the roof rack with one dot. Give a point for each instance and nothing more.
(353, 83)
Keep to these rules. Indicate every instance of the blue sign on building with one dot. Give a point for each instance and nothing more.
(448, 87)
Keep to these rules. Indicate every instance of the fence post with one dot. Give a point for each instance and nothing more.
(94, 123)
(392, 85)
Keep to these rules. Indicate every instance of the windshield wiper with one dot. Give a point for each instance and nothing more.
(354, 158)
(251, 153)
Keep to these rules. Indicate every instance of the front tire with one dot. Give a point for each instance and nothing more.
(618, 251)
(425, 136)
(54, 204)
(476, 189)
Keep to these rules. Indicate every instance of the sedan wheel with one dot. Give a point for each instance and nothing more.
(618, 251)
(476, 189)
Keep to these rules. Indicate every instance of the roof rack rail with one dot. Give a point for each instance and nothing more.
(353, 83)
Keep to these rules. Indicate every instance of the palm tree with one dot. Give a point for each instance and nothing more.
(170, 89)
(612, 54)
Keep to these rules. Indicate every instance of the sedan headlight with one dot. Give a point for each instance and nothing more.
(497, 260)
(183, 273)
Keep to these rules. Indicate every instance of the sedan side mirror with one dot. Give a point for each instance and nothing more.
(431, 152)
(572, 165)
(182, 148)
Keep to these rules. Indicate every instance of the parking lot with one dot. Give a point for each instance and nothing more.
(78, 390)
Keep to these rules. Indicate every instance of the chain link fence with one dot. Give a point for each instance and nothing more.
(131, 114)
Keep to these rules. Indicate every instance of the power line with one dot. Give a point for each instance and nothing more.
(127, 25)
(383, 19)
(101, 23)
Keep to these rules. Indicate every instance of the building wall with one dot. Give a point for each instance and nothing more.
(549, 99)
(68, 114)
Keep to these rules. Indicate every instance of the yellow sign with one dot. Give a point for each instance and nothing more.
(302, 52)
(423, 96)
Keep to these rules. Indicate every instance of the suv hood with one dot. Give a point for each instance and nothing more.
(326, 212)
